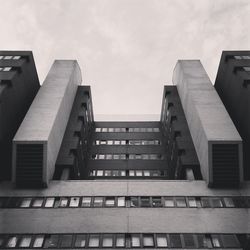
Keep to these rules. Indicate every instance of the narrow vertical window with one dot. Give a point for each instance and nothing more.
(12, 241)
(49, 202)
(25, 202)
(25, 241)
(120, 240)
(135, 240)
(94, 240)
(107, 240)
(98, 201)
(148, 240)
(86, 201)
(38, 242)
(80, 240)
(121, 201)
(161, 240)
(74, 201)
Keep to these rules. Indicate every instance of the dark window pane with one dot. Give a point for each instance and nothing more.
(13, 202)
(80, 240)
(188, 240)
(239, 202)
(51, 241)
(3, 202)
(145, 202)
(66, 240)
(175, 240)
(205, 202)
(204, 241)
(230, 240)
(216, 202)
(134, 202)
(156, 202)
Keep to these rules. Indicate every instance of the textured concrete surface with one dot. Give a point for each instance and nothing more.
(206, 115)
(48, 115)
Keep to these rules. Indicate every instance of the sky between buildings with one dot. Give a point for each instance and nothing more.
(127, 49)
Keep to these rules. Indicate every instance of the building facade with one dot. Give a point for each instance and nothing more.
(176, 183)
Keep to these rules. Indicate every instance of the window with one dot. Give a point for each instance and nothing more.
(175, 240)
(25, 202)
(230, 241)
(134, 202)
(63, 202)
(7, 69)
(161, 240)
(204, 241)
(216, 202)
(148, 240)
(169, 202)
(192, 202)
(98, 201)
(145, 202)
(99, 173)
(74, 201)
(189, 241)
(146, 173)
(80, 240)
(205, 202)
(180, 202)
(86, 201)
(7, 57)
(25, 241)
(107, 240)
(11, 242)
(135, 240)
(138, 172)
(16, 57)
(121, 201)
(107, 172)
(38, 202)
(216, 241)
(110, 202)
(131, 173)
(51, 241)
(120, 240)
(49, 202)
(94, 240)
(111, 130)
(38, 242)
(156, 202)
(66, 240)
(109, 157)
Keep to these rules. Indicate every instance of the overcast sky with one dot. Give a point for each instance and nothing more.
(127, 49)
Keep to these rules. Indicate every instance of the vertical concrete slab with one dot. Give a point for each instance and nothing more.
(47, 118)
(208, 121)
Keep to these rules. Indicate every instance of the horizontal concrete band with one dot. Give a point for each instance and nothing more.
(125, 220)
(125, 188)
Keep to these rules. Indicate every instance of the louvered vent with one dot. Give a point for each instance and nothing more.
(225, 159)
(29, 165)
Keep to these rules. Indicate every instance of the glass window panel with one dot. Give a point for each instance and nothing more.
(110, 142)
(145, 157)
(74, 201)
(228, 202)
(110, 202)
(63, 202)
(145, 202)
(103, 142)
(161, 240)
(38, 202)
(25, 241)
(94, 240)
(155, 173)
(116, 157)
(146, 173)
(138, 172)
(49, 202)
(66, 240)
(148, 240)
(135, 240)
(156, 129)
(107, 240)
(86, 201)
(107, 172)
(205, 202)
(6, 68)
(80, 240)
(203, 241)
(175, 240)
(101, 157)
(1, 237)
(134, 202)
(131, 156)
(216, 202)
(117, 129)
(108, 157)
(111, 130)
(115, 173)
(123, 142)
(189, 241)
(149, 129)
(120, 240)
(156, 202)
(192, 202)
(131, 173)
(51, 241)
(123, 157)
(123, 173)
(169, 202)
(104, 129)
(12, 242)
(117, 142)
(239, 202)
(230, 241)
(138, 156)
(97, 129)
(16, 57)
(8, 57)
(180, 202)
(121, 201)
(99, 173)
(98, 201)
(25, 202)
(1, 57)
(137, 130)
(38, 242)
(216, 241)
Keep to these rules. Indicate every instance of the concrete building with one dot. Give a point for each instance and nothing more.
(78, 183)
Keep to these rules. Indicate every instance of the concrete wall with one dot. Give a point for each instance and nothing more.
(206, 115)
(48, 115)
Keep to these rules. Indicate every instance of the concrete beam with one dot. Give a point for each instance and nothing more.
(45, 124)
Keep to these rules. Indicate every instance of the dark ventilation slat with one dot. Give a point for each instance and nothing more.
(225, 159)
(29, 164)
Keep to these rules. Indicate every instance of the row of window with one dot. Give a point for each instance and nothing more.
(242, 57)
(120, 240)
(5, 69)
(10, 57)
(128, 173)
(127, 142)
(127, 157)
(125, 201)
(118, 130)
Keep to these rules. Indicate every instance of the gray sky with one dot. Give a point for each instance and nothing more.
(127, 49)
